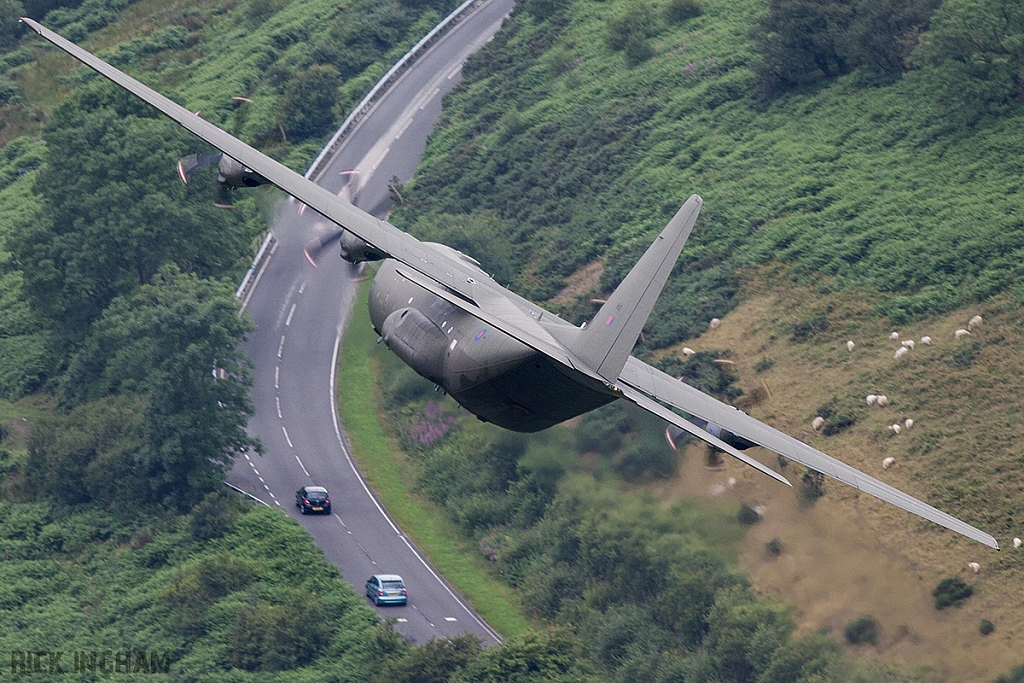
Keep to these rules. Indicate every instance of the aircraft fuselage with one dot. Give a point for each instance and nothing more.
(492, 375)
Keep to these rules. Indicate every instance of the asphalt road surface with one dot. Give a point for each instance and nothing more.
(300, 313)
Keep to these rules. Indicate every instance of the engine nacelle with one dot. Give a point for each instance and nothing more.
(234, 175)
(417, 341)
(355, 250)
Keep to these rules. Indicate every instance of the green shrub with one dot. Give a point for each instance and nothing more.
(764, 365)
(747, 515)
(678, 11)
(837, 423)
(639, 22)
(212, 517)
(1015, 676)
(951, 591)
(774, 547)
(986, 627)
(810, 327)
(812, 485)
(862, 630)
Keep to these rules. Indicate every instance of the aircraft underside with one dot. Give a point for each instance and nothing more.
(534, 396)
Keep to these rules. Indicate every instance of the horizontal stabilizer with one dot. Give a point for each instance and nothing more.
(681, 422)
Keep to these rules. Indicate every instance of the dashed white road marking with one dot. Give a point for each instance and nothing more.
(247, 457)
(280, 347)
(288, 322)
(405, 127)
(452, 74)
(381, 158)
(286, 436)
(401, 620)
(432, 95)
(256, 471)
(279, 415)
(261, 480)
(277, 377)
(450, 619)
(302, 288)
(266, 487)
(304, 468)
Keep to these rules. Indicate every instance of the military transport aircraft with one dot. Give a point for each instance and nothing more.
(503, 358)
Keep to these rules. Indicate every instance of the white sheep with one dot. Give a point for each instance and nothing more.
(817, 423)
(926, 341)
(900, 352)
(883, 401)
(895, 429)
(975, 322)
(895, 336)
(687, 351)
(960, 334)
(715, 323)
(872, 399)
(1016, 543)
(909, 344)
(908, 423)
(850, 345)
(888, 462)
(974, 566)
(730, 482)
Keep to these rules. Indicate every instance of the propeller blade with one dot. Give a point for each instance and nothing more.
(223, 200)
(316, 246)
(186, 165)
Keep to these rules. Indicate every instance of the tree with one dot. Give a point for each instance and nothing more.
(176, 342)
(973, 56)
(799, 39)
(309, 101)
(883, 33)
(10, 29)
(115, 212)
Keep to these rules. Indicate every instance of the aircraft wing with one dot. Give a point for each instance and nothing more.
(637, 376)
(430, 262)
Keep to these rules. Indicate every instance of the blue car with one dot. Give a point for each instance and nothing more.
(386, 589)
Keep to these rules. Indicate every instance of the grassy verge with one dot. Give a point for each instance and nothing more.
(382, 465)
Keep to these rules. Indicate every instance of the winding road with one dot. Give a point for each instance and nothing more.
(300, 313)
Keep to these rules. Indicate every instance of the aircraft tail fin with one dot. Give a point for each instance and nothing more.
(609, 338)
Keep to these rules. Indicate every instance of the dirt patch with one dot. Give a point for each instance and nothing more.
(586, 279)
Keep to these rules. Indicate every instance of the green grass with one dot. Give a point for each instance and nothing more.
(383, 465)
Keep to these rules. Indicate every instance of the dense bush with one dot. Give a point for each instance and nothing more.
(747, 515)
(951, 592)
(801, 41)
(812, 485)
(863, 629)
(973, 57)
(678, 11)
(986, 627)
(309, 102)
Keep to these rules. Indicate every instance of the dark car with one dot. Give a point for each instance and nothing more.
(313, 499)
(386, 589)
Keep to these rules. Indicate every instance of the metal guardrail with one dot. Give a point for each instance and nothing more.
(247, 494)
(385, 83)
(357, 115)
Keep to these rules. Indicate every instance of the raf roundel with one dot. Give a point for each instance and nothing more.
(480, 335)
